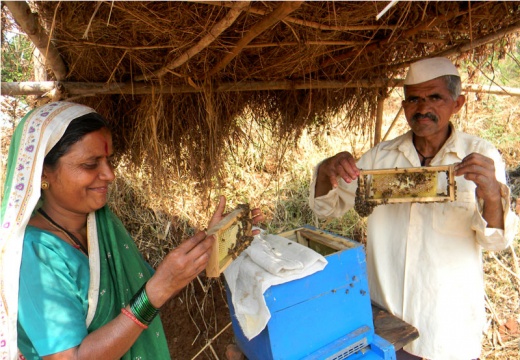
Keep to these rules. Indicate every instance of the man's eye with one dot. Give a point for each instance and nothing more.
(413, 100)
(90, 165)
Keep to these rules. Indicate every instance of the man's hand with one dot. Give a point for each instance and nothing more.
(481, 170)
(341, 165)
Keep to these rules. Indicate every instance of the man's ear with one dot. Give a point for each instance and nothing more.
(459, 103)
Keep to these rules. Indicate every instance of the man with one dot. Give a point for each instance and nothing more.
(424, 260)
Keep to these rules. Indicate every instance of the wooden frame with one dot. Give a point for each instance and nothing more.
(232, 235)
(367, 178)
(322, 242)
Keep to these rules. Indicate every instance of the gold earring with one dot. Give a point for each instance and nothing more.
(45, 185)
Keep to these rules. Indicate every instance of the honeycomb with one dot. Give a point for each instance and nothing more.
(404, 185)
(233, 234)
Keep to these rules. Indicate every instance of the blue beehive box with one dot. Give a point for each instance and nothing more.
(326, 315)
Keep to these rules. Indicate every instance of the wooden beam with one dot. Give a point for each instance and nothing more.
(284, 9)
(236, 9)
(44, 88)
(28, 21)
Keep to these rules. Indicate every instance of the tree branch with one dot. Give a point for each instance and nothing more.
(216, 30)
(278, 14)
(310, 24)
(28, 21)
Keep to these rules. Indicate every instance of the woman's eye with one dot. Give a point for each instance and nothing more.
(90, 165)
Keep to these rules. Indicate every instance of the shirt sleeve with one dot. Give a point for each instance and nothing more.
(52, 296)
(491, 238)
(337, 201)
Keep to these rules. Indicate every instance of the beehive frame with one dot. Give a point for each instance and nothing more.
(232, 235)
(367, 184)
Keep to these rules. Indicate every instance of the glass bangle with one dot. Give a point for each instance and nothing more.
(141, 307)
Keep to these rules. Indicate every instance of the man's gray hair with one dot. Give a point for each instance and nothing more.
(453, 84)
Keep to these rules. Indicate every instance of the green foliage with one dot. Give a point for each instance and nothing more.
(17, 59)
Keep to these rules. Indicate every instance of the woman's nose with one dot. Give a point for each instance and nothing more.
(107, 171)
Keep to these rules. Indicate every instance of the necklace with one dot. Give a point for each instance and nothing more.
(424, 158)
(77, 244)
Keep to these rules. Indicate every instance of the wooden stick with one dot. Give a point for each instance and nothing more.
(92, 89)
(379, 117)
(277, 15)
(482, 41)
(516, 276)
(310, 24)
(210, 341)
(28, 21)
(428, 169)
(393, 123)
(389, 40)
(203, 43)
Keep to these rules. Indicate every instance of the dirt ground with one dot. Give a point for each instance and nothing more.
(193, 318)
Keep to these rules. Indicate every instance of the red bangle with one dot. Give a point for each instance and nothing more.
(133, 318)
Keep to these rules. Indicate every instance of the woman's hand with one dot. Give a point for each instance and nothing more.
(256, 215)
(179, 268)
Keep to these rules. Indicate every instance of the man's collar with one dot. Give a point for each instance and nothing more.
(451, 145)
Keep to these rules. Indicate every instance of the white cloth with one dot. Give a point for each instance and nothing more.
(424, 260)
(270, 260)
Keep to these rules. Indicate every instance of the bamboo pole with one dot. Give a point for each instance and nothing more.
(28, 21)
(44, 88)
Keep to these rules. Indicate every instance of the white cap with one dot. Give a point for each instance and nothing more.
(429, 69)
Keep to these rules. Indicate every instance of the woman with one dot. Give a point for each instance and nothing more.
(74, 285)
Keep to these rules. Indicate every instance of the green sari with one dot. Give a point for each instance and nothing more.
(117, 269)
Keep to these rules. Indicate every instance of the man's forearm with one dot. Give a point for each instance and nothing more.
(323, 185)
(493, 213)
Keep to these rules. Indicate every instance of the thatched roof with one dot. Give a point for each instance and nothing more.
(175, 77)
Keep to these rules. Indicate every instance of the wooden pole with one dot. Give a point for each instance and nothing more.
(379, 117)
(393, 123)
(92, 89)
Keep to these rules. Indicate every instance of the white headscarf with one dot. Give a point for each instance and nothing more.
(34, 137)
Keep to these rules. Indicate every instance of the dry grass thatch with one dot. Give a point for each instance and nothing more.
(294, 64)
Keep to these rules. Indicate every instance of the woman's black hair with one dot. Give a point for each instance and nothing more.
(77, 128)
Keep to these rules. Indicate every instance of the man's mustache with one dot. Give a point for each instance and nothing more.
(429, 115)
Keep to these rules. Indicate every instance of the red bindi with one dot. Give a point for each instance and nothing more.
(106, 148)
